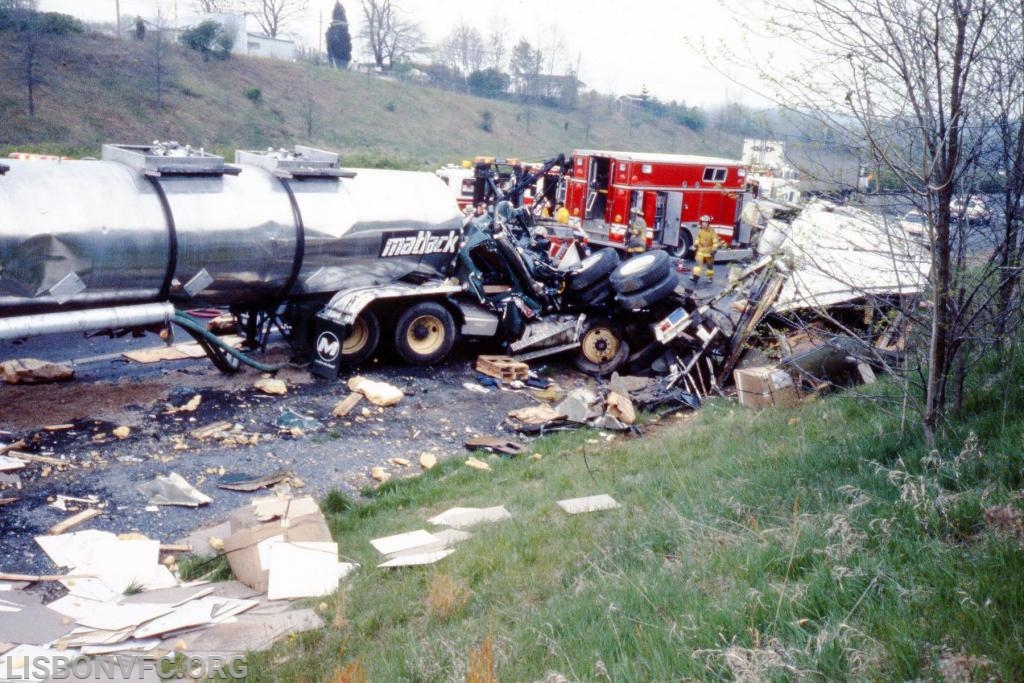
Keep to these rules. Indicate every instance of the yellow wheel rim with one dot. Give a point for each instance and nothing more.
(357, 339)
(599, 345)
(425, 335)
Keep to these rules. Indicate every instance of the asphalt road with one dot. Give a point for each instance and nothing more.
(437, 415)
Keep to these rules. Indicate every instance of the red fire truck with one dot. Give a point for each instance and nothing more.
(672, 190)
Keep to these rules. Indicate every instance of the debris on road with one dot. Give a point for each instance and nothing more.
(502, 368)
(428, 460)
(34, 371)
(494, 444)
(257, 527)
(188, 407)
(74, 520)
(289, 420)
(271, 386)
(343, 407)
(246, 483)
(378, 393)
(172, 489)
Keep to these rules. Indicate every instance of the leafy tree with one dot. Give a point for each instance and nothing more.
(526, 64)
(209, 38)
(488, 83)
(339, 40)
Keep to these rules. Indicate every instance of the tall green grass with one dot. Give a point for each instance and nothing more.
(816, 543)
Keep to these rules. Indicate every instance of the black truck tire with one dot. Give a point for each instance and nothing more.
(593, 269)
(640, 272)
(646, 297)
(424, 333)
(602, 349)
(362, 339)
(596, 294)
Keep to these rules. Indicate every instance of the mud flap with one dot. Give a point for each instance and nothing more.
(327, 339)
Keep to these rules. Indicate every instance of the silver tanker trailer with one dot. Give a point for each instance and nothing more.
(337, 258)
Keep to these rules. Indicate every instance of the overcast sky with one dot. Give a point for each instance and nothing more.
(679, 49)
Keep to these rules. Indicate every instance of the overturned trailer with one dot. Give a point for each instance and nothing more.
(339, 259)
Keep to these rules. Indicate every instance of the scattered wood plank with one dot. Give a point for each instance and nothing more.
(20, 443)
(345, 405)
(74, 520)
(212, 429)
(29, 457)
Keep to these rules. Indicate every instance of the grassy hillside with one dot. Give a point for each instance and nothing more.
(93, 89)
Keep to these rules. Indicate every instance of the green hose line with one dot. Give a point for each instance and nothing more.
(195, 327)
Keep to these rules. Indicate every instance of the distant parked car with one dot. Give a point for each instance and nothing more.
(973, 209)
(915, 223)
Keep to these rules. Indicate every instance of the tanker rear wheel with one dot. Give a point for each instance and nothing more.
(424, 333)
(362, 339)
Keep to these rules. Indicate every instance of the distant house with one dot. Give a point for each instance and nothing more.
(258, 45)
(248, 43)
(628, 102)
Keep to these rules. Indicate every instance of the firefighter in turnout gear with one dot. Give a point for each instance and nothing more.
(636, 242)
(706, 246)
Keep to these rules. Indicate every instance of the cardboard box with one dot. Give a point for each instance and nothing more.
(765, 386)
(257, 527)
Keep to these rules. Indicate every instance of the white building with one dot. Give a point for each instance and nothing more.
(248, 40)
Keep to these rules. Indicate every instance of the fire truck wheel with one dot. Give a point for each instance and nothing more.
(685, 245)
(602, 349)
(362, 339)
(644, 298)
(640, 272)
(424, 333)
(593, 269)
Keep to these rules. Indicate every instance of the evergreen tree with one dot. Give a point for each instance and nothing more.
(339, 40)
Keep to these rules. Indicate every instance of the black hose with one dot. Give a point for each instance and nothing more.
(196, 328)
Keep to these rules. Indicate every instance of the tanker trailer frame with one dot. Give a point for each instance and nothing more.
(132, 240)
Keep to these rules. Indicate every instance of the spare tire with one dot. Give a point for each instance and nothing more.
(593, 269)
(641, 271)
(595, 294)
(652, 295)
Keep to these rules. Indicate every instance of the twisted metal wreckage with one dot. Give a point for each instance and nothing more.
(334, 258)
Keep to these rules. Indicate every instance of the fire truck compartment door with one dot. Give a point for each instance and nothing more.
(673, 214)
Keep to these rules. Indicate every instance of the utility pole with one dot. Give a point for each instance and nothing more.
(117, 8)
